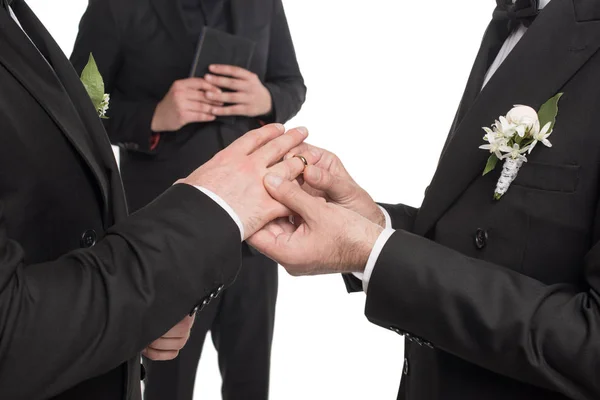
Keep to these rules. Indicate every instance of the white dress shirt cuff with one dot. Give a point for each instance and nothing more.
(225, 207)
(374, 256)
(388, 219)
(361, 275)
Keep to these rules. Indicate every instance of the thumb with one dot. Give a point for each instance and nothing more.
(337, 189)
(292, 196)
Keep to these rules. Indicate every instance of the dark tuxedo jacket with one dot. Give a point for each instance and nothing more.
(142, 47)
(83, 288)
(501, 299)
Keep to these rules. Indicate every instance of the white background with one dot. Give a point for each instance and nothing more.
(384, 79)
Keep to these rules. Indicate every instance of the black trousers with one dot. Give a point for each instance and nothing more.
(241, 321)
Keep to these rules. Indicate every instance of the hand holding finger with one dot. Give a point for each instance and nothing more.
(197, 84)
(293, 197)
(273, 151)
(224, 82)
(201, 97)
(293, 167)
(228, 97)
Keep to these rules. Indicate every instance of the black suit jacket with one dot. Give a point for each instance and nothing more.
(142, 47)
(83, 288)
(501, 299)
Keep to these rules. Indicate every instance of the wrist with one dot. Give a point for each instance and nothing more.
(375, 215)
(365, 247)
(267, 109)
(155, 125)
(378, 217)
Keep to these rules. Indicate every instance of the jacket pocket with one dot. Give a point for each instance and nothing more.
(549, 177)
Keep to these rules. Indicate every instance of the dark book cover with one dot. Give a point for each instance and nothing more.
(217, 47)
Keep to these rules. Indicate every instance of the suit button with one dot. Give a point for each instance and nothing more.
(200, 306)
(481, 238)
(405, 369)
(88, 239)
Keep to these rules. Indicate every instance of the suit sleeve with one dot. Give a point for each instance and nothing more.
(100, 33)
(283, 78)
(499, 319)
(65, 321)
(403, 217)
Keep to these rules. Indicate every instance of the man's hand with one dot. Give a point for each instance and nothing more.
(168, 346)
(329, 239)
(326, 177)
(236, 173)
(250, 98)
(185, 103)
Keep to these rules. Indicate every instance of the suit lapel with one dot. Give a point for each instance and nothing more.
(490, 46)
(554, 48)
(21, 57)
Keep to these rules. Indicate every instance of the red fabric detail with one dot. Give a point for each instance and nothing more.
(154, 139)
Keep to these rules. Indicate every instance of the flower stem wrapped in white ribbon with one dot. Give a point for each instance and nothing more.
(517, 134)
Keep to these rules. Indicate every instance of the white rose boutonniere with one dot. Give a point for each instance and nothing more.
(517, 134)
(94, 85)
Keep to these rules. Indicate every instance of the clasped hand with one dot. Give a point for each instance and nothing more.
(226, 91)
(335, 222)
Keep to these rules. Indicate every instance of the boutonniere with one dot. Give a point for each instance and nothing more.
(516, 134)
(94, 84)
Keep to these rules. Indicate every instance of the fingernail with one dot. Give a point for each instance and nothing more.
(212, 67)
(210, 95)
(302, 130)
(274, 180)
(208, 77)
(280, 127)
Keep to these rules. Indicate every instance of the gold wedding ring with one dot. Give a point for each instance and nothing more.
(302, 159)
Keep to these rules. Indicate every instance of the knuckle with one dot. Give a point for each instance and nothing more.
(151, 354)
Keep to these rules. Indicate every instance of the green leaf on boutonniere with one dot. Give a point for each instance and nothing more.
(491, 164)
(549, 111)
(92, 80)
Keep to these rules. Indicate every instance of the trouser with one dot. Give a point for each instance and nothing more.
(241, 322)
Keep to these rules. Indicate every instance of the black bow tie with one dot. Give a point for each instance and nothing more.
(519, 12)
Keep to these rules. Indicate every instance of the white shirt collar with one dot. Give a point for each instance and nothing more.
(543, 3)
